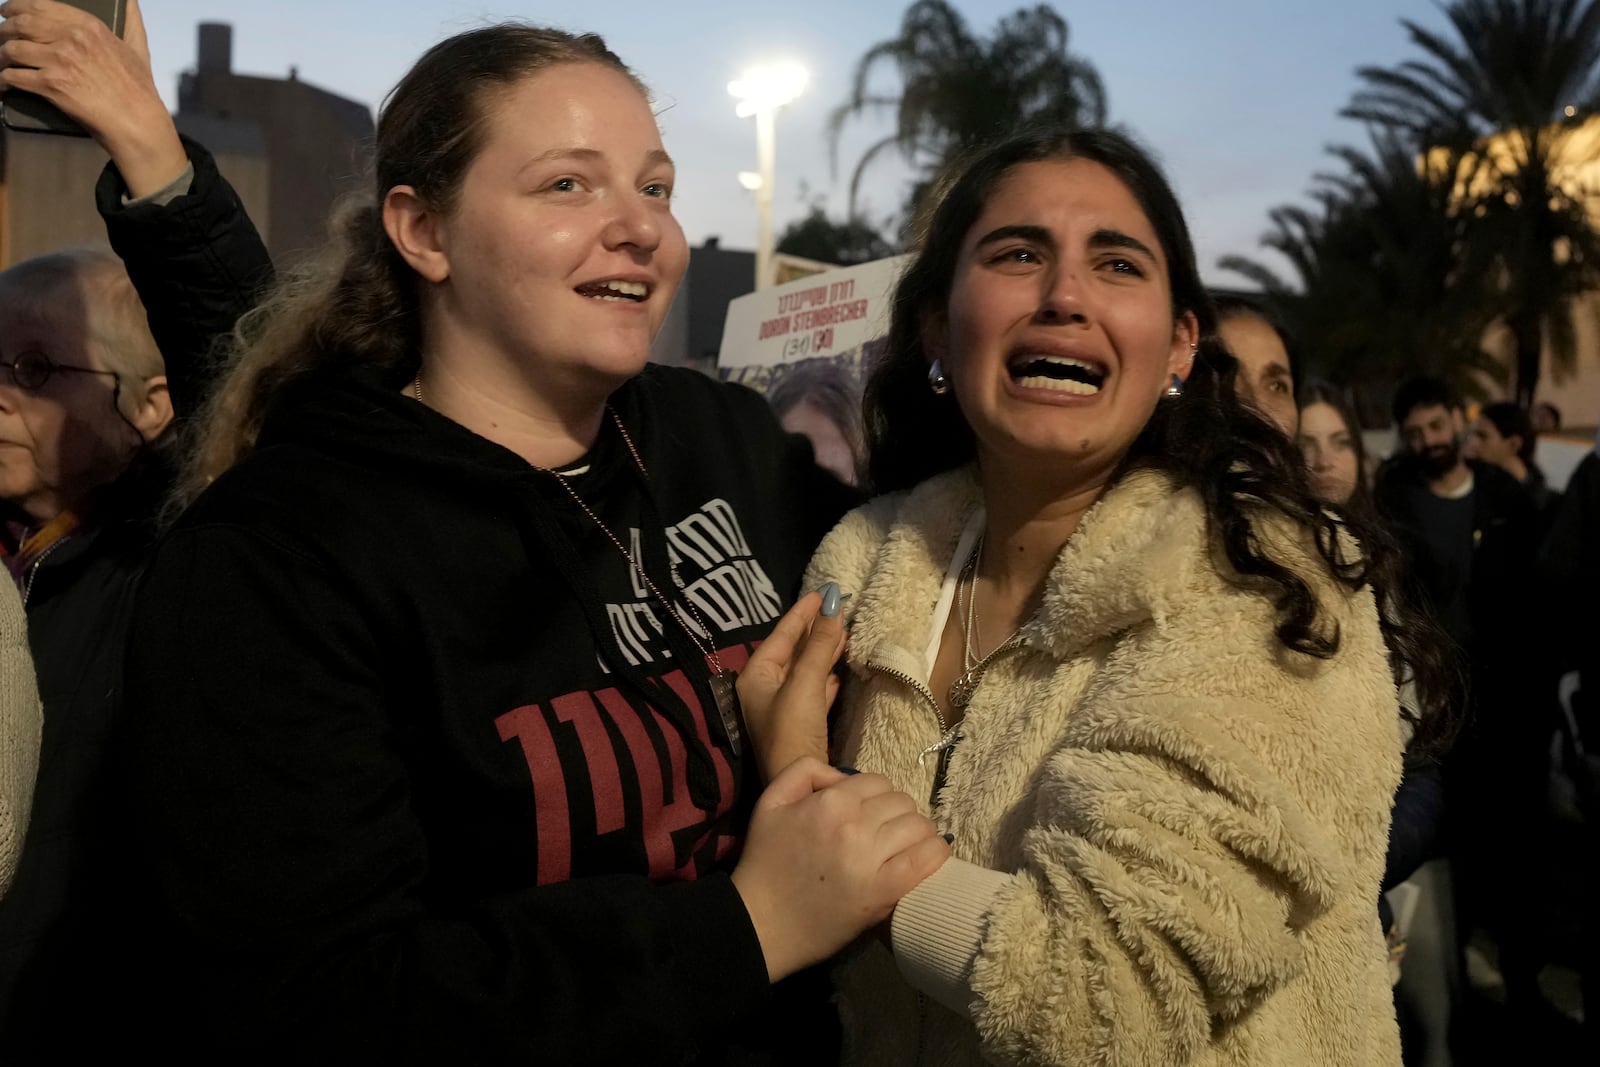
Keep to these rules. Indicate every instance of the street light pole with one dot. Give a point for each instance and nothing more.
(761, 92)
(766, 162)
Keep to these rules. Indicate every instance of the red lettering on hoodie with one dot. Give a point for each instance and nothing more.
(605, 776)
(666, 803)
(551, 820)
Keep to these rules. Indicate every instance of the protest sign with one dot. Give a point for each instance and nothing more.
(820, 316)
(808, 346)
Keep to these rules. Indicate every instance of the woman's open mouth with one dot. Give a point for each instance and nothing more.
(616, 289)
(1063, 374)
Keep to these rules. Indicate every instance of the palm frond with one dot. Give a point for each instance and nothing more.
(1481, 106)
(955, 89)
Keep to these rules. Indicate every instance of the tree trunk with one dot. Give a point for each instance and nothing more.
(1528, 338)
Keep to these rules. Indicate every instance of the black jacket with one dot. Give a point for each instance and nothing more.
(1505, 537)
(1568, 568)
(196, 263)
(426, 772)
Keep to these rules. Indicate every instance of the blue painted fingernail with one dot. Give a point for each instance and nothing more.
(830, 599)
(847, 770)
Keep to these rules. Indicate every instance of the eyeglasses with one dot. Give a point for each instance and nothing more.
(31, 370)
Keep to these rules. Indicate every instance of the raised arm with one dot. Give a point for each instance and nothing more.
(192, 252)
(198, 264)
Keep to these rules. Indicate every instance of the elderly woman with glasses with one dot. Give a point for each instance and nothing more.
(83, 394)
(98, 358)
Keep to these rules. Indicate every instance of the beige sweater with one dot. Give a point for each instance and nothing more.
(20, 723)
(1169, 831)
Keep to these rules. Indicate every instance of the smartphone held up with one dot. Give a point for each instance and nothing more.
(31, 113)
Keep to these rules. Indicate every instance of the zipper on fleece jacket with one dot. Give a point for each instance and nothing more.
(949, 733)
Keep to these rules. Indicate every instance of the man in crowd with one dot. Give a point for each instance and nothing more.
(1471, 521)
(1473, 531)
(1569, 572)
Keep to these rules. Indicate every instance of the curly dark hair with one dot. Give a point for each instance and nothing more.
(1206, 439)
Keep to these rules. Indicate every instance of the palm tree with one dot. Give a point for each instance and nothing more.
(1395, 273)
(1511, 92)
(957, 90)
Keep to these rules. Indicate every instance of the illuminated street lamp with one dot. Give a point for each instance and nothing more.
(761, 92)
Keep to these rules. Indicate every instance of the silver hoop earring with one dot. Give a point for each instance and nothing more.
(936, 379)
(1175, 388)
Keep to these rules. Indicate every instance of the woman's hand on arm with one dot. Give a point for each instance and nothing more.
(73, 60)
(788, 686)
(827, 857)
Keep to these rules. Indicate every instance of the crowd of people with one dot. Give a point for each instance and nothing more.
(401, 668)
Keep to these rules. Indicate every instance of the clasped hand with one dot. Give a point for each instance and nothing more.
(788, 686)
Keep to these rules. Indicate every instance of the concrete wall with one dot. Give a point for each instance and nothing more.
(1578, 396)
(47, 193)
(317, 144)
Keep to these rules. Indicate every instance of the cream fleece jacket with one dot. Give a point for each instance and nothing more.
(20, 723)
(1169, 831)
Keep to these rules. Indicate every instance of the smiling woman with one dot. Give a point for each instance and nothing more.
(448, 768)
(1105, 634)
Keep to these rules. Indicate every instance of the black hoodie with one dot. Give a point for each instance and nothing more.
(425, 772)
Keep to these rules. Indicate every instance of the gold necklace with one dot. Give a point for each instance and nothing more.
(722, 680)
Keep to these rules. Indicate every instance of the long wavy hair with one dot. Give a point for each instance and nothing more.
(359, 302)
(1206, 439)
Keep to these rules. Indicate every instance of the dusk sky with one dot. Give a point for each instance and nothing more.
(1237, 98)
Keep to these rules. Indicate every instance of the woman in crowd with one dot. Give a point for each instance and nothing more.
(1329, 437)
(431, 684)
(101, 373)
(1259, 344)
(1104, 632)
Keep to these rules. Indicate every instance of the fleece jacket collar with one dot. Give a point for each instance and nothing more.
(1126, 563)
